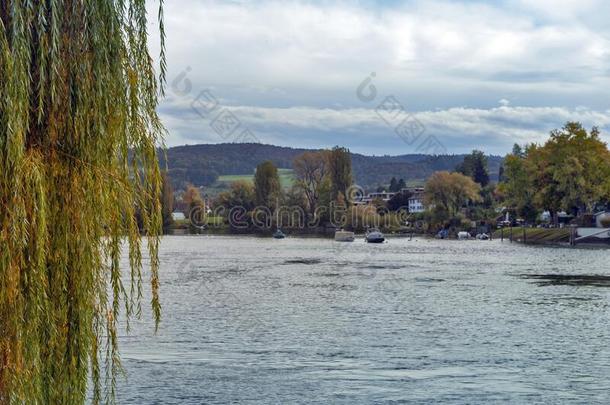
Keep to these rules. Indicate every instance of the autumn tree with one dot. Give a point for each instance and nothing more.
(192, 197)
(340, 173)
(237, 203)
(311, 169)
(195, 206)
(241, 194)
(571, 171)
(267, 186)
(516, 185)
(79, 134)
(450, 191)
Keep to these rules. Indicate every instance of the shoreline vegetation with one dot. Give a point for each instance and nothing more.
(541, 192)
(530, 236)
(533, 236)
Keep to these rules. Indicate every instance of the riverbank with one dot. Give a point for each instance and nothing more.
(184, 227)
(540, 236)
(530, 236)
(546, 236)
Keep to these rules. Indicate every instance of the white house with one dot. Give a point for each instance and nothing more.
(178, 216)
(416, 201)
(416, 205)
(383, 195)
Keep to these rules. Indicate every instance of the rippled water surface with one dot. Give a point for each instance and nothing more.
(299, 320)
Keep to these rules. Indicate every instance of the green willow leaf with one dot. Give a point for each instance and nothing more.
(79, 185)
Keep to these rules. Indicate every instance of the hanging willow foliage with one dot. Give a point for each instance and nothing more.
(78, 162)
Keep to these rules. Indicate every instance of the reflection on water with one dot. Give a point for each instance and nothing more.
(254, 320)
(571, 279)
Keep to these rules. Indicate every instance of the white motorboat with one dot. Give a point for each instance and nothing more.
(463, 235)
(344, 236)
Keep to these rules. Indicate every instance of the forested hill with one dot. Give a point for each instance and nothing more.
(202, 164)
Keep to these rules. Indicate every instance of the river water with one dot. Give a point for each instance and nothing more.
(304, 320)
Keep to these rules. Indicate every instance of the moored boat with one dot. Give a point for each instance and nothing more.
(278, 234)
(344, 236)
(463, 235)
(442, 234)
(374, 235)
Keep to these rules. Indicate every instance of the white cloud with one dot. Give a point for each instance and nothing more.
(292, 63)
(461, 129)
(311, 43)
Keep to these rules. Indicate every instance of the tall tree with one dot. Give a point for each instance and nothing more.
(241, 195)
(450, 191)
(393, 185)
(518, 151)
(501, 174)
(571, 171)
(340, 167)
(267, 185)
(78, 158)
(516, 185)
(475, 167)
(401, 185)
(240, 198)
(311, 168)
(167, 201)
(192, 199)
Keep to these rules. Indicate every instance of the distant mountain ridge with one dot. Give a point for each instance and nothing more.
(202, 164)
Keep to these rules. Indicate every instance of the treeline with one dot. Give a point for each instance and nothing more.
(371, 172)
(324, 193)
(323, 180)
(570, 172)
(202, 164)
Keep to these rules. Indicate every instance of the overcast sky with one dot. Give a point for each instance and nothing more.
(469, 74)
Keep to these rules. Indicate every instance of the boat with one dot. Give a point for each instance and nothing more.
(374, 235)
(463, 235)
(482, 236)
(442, 234)
(278, 234)
(344, 236)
